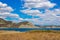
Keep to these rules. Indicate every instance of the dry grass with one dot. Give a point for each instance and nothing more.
(32, 35)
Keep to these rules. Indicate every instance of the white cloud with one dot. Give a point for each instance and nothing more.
(5, 8)
(32, 12)
(6, 11)
(49, 17)
(3, 5)
(38, 4)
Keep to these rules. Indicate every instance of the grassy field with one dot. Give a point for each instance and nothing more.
(31, 35)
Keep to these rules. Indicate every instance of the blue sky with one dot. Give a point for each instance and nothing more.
(40, 12)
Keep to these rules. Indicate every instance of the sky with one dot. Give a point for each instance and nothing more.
(39, 12)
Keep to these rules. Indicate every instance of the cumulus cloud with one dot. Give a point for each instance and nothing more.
(5, 8)
(49, 17)
(32, 12)
(6, 11)
(38, 4)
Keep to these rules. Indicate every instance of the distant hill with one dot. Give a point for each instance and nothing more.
(26, 24)
(10, 24)
(4, 23)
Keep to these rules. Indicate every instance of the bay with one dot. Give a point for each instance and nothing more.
(28, 29)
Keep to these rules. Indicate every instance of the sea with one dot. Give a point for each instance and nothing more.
(28, 29)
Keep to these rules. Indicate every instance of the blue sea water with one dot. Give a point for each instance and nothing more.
(28, 29)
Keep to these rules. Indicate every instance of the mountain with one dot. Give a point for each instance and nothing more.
(10, 24)
(26, 24)
(4, 23)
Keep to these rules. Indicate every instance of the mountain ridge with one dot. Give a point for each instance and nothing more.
(10, 24)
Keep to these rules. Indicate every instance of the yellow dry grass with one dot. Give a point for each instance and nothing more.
(31, 35)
